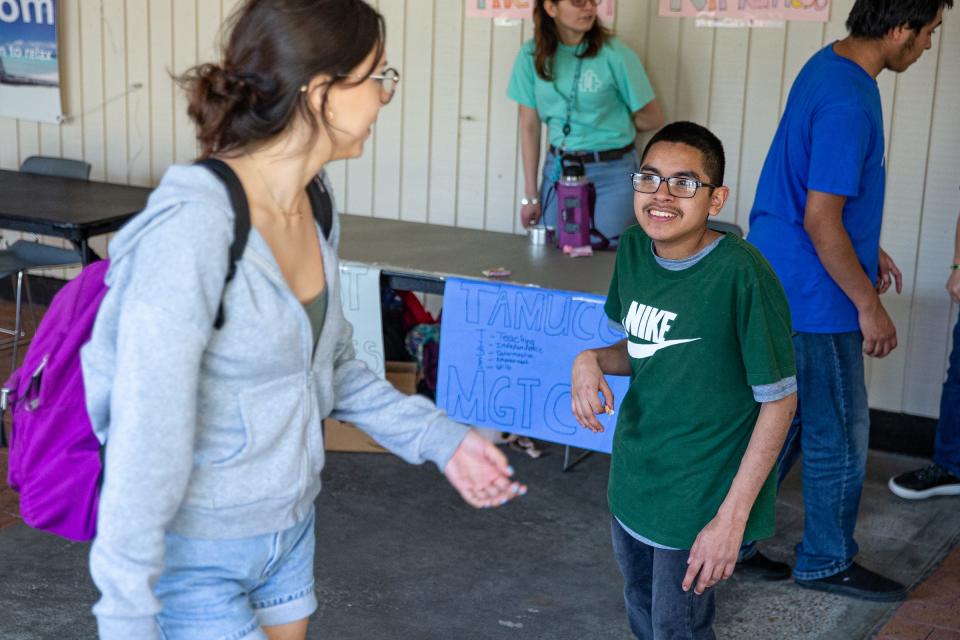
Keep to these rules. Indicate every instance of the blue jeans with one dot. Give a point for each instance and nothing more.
(229, 589)
(657, 606)
(614, 209)
(946, 451)
(831, 429)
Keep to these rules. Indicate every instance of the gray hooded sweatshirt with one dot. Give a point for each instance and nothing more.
(216, 434)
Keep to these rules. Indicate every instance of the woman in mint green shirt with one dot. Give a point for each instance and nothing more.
(596, 118)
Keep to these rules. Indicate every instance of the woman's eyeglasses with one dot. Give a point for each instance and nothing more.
(388, 80)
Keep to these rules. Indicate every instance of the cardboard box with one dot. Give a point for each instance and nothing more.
(343, 436)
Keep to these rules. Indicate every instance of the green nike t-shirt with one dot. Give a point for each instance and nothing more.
(698, 340)
(613, 85)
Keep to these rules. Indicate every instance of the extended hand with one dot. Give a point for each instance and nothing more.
(879, 334)
(588, 382)
(480, 472)
(888, 274)
(713, 555)
(529, 215)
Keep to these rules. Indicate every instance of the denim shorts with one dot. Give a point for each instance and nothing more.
(229, 589)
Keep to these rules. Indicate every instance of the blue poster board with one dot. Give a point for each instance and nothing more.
(506, 353)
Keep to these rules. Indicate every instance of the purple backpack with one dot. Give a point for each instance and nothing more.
(54, 454)
(55, 460)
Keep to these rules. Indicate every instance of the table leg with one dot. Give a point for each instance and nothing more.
(567, 465)
(87, 255)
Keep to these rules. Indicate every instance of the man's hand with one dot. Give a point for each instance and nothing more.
(953, 285)
(888, 274)
(879, 334)
(481, 474)
(714, 554)
(529, 215)
(588, 382)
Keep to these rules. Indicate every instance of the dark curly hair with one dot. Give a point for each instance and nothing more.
(274, 47)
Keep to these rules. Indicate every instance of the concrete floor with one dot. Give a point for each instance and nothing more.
(399, 556)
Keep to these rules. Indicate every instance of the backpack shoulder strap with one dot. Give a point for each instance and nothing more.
(241, 219)
(321, 204)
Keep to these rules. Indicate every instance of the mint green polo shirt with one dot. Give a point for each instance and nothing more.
(613, 86)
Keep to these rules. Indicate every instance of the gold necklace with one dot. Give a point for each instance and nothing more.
(284, 212)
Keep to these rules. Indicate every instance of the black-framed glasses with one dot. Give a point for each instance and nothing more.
(580, 4)
(677, 186)
(388, 80)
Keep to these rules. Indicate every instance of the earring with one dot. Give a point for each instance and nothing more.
(330, 115)
(303, 88)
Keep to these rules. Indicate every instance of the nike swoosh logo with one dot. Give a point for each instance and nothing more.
(641, 351)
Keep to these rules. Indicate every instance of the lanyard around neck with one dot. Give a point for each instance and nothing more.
(571, 102)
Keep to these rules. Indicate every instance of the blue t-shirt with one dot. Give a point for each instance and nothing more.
(613, 86)
(830, 139)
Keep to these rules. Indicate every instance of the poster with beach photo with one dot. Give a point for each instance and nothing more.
(29, 61)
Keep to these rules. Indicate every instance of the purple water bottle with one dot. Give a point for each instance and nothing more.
(576, 197)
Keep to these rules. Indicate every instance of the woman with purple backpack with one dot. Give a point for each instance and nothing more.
(210, 397)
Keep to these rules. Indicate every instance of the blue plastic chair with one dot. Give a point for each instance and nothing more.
(60, 167)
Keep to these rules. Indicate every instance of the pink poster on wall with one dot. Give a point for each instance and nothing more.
(748, 11)
(523, 9)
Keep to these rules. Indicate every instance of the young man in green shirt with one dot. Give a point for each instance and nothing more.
(712, 392)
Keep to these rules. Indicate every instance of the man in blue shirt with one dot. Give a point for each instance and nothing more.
(816, 218)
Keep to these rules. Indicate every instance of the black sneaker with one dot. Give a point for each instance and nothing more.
(858, 582)
(763, 568)
(925, 483)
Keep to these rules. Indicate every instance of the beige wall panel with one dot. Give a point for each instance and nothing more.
(474, 123)
(185, 51)
(138, 99)
(444, 109)
(725, 118)
(416, 99)
(161, 90)
(114, 58)
(10, 149)
(91, 58)
(903, 206)
(29, 136)
(662, 61)
(694, 72)
(761, 112)
(503, 133)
